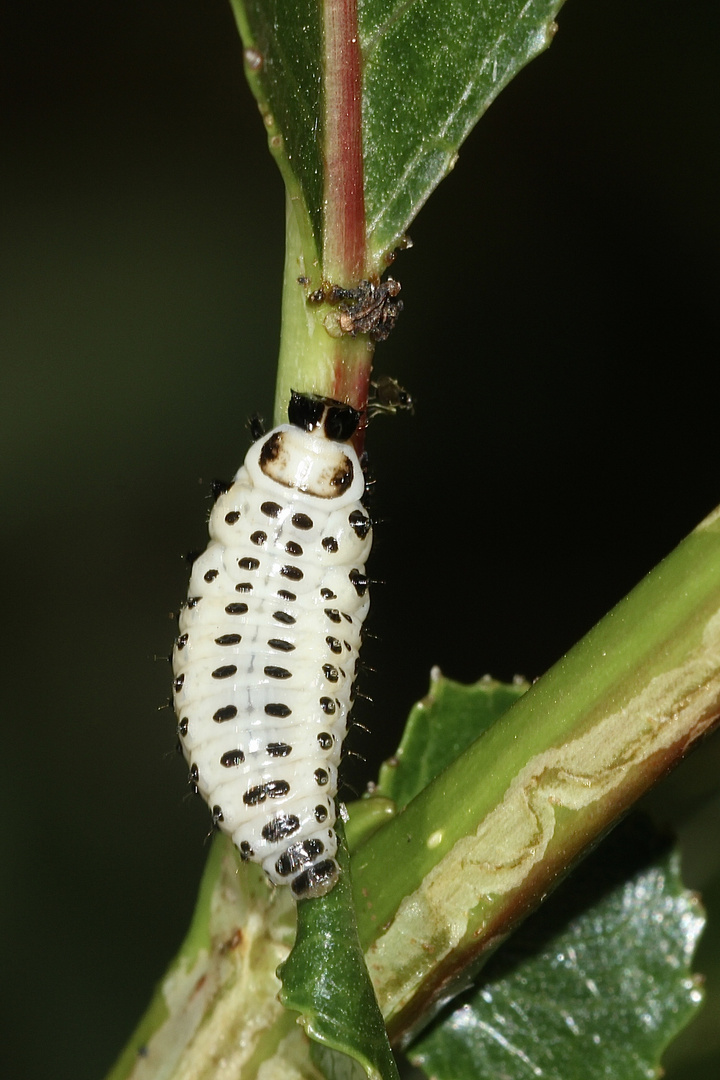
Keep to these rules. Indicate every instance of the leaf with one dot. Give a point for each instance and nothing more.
(283, 65)
(439, 728)
(432, 67)
(595, 985)
(326, 981)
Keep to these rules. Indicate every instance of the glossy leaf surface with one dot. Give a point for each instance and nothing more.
(594, 985)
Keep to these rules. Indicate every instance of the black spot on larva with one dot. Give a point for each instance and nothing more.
(321, 812)
(293, 549)
(278, 749)
(193, 775)
(255, 795)
(346, 617)
(334, 645)
(225, 671)
(217, 816)
(328, 594)
(343, 475)
(276, 788)
(299, 855)
(285, 595)
(325, 740)
(181, 641)
(183, 727)
(333, 614)
(193, 601)
(341, 671)
(271, 509)
(279, 828)
(276, 708)
(330, 672)
(294, 573)
(359, 582)
(271, 448)
(233, 517)
(321, 777)
(227, 712)
(302, 521)
(278, 643)
(327, 705)
(211, 575)
(283, 617)
(248, 563)
(236, 609)
(246, 852)
(243, 586)
(258, 538)
(330, 544)
(321, 876)
(277, 672)
(228, 639)
(359, 523)
(231, 758)
(178, 683)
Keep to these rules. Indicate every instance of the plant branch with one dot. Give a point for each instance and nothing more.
(482, 845)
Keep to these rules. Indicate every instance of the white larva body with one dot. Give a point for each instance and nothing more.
(267, 650)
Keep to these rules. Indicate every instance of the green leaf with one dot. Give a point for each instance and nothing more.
(595, 985)
(439, 728)
(283, 65)
(431, 69)
(326, 981)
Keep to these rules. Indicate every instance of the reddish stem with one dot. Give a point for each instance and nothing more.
(352, 383)
(344, 232)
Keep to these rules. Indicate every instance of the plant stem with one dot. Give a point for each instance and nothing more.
(311, 360)
(471, 858)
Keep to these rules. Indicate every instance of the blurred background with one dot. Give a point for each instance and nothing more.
(560, 324)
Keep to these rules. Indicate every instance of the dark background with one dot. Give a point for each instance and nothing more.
(560, 336)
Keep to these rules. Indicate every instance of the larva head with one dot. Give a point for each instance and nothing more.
(312, 453)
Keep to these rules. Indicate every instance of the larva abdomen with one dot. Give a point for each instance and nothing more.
(268, 643)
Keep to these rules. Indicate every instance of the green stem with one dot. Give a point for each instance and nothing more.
(311, 359)
(483, 844)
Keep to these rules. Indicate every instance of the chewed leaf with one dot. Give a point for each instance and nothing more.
(439, 728)
(598, 994)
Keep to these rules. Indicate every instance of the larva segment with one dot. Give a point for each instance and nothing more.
(268, 644)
